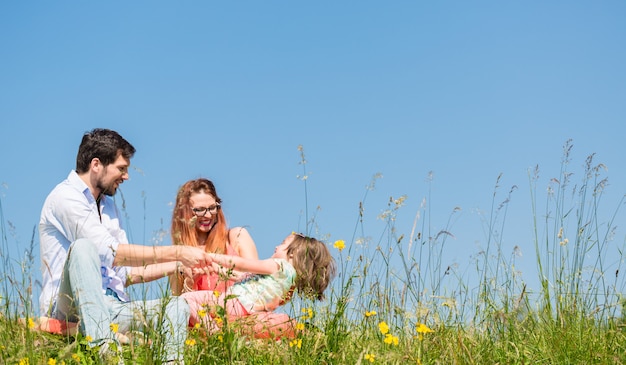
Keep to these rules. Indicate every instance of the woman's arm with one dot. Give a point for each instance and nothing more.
(243, 243)
(176, 283)
(267, 266)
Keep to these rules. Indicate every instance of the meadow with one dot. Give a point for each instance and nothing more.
(394, 301)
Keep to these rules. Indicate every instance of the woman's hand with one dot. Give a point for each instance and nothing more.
(186, 274)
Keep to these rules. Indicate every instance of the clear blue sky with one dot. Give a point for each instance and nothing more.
(228, 90)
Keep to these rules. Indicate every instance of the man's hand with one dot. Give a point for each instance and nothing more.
(192, 257)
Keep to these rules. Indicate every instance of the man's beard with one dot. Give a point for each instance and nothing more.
(109, 189)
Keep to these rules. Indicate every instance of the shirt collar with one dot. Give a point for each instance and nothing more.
(78, 183)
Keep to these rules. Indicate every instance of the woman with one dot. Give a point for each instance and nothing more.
(198, 220)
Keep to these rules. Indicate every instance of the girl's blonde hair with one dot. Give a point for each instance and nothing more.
(183, 228)
(315, 266)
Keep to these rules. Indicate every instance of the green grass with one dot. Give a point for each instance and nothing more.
(388, 287)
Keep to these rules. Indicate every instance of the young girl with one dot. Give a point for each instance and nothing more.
(298, 263)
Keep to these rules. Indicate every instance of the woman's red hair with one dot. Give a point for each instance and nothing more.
(183, 228)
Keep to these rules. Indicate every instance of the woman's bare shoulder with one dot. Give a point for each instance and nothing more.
(241, 241)
(236, 233)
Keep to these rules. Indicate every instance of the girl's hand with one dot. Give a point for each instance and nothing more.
(238, 276)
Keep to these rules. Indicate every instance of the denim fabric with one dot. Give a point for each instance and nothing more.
(81, 298)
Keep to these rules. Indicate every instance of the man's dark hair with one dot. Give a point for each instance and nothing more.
(104, 144)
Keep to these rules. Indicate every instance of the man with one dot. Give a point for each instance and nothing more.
(87, 260)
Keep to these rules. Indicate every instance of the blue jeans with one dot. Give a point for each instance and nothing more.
(81, 298)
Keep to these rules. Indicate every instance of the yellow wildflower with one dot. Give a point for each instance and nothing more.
(216, 293)
(340, 245)
(384, 329)
(391, 340)
(52, 361)
(88, 338)
(24, 361)
(190, 342)
(421, 330)
(370, 313)
(308, 313)
(114, 327)
(197, 325)
(300, 326)
(220, 338)
(370, 357)
(201, 313)
(296, 342)
(76, 357)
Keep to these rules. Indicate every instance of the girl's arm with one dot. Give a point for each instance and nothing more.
(226, 273)
(267, 266)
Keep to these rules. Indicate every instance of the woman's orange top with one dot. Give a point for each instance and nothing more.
(213, 281)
